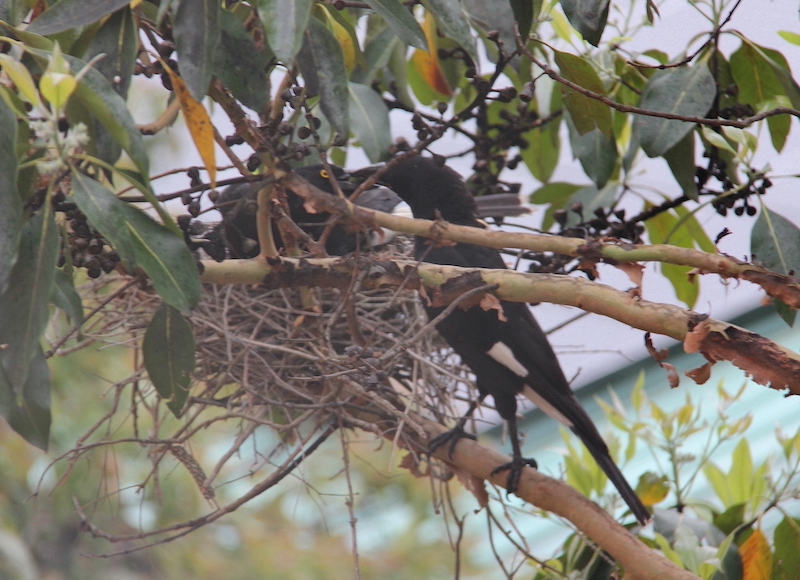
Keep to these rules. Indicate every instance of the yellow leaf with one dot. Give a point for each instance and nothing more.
(20, 76)
(346, 40)
(427, 63)
(198, 122)
(652, 489)
(756, 557)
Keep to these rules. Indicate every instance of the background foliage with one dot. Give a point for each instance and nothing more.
(517, 85)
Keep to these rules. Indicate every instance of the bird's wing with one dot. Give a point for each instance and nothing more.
(510, 351)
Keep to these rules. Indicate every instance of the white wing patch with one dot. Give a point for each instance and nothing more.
(502, 354)
(540, 402)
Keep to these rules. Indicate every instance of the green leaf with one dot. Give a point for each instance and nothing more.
(498, 16)
(740, 478)
(786, 539)
(587, 17)
(403, 23)
(377, 53)
(99, 96)
(197, 34)
(557, 195)
(687, 91)
(591, 198)
(754, 76)
(779, 126)
(664, 228)
(23, 305)
(541, 154)
(596, 151)
(731, 518)
(451, 18)
(28, 412)
(719, 484)
(782, 70)
(587, 114)
(717, 140)
(775, 242)
(786, 312)
(10, 202)
(689, 222)
(22, 79)
(168, 350)
(680, 159)
(322, 64)
(791, 37)
(140, 242)
(369, 120)
(240, 65)
(117, 40)
(13, 11)
(524, 11)
(65, 297)
(68, 14)
(284, 22)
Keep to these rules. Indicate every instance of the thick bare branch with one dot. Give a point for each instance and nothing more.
(547, 493)
(784, 288)
(716, 340)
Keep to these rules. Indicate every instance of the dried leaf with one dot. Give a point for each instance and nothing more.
(491, 302)
(198, 122)
(660, 356)
(473, 484)
(633, 270)
(756, 557)
(701, 374)
(411, 463)
(589, 265)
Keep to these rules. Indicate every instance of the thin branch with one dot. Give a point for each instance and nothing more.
(740, 124)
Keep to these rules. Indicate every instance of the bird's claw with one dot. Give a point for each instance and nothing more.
(453, 435)
(514, 468)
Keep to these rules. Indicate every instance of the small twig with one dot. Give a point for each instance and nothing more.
(740, 124)
(165, 119)
(110, 298)
(349, 502)
(441, 316)
(237, 163)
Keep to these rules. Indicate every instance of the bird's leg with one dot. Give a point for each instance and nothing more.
(517, 463)
(457, 432)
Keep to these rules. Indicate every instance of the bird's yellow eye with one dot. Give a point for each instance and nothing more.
(323, 174)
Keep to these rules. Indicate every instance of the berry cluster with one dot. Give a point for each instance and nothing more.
(731, 194)
(86, 247)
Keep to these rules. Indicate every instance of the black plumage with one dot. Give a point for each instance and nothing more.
(238, 206)
(509, 353)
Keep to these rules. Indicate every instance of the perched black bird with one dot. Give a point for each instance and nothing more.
(508, 352)
(238, 206)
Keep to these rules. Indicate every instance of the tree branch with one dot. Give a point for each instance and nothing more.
(784, 288)
(767, 362)
(547, 493)
(741, 124)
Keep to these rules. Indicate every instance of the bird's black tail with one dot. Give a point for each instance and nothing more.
(615, 475)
